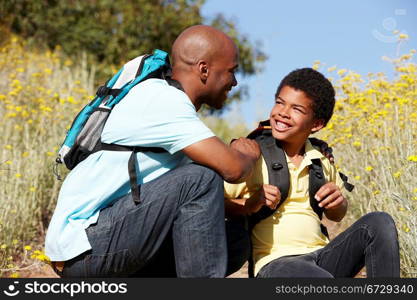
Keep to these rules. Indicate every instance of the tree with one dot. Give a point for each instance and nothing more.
(113, 31)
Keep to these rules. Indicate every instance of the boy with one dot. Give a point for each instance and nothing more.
(290, 242)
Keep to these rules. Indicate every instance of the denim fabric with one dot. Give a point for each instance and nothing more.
(186, 203)
(239, 246)
(371, 241)
(238, 252)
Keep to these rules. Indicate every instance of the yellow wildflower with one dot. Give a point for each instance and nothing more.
(341, 72)
(412, 158)
(369, 168)
(331, 69)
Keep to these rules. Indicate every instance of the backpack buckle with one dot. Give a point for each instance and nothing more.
(277, 166)
(103, 91)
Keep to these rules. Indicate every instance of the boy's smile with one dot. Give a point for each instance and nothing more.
(292, 118)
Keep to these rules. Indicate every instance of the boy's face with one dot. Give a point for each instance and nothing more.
(292, 117)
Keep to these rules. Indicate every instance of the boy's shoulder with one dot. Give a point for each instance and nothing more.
(313, 152)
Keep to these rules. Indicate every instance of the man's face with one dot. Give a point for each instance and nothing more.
(292, 118)
(222, 77)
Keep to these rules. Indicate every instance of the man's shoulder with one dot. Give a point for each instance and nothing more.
(161, 86)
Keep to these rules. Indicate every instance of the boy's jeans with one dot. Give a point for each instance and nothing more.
(371, 241)
(186, 203)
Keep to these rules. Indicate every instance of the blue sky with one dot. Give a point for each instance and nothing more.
(351, 34)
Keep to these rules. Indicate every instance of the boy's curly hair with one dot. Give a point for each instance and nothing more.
(316, 87)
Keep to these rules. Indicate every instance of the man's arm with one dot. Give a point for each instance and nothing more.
(231, 162)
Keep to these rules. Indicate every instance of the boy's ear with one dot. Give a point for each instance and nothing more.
(318, 124)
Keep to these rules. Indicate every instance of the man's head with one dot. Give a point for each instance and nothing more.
(204, 60)
(304, 104)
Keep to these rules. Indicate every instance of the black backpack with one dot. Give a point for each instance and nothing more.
(279, 175)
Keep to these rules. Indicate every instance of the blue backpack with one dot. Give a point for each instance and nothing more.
(84, 136)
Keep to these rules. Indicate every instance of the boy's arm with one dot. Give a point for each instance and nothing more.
(330, 197)
(268, 195)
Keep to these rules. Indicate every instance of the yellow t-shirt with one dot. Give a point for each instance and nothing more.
(294, 228)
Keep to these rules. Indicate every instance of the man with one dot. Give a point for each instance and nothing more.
(98, 231)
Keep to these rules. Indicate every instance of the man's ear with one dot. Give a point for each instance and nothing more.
(318, 124)
(203, 70)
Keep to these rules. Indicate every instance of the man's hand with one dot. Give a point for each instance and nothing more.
(248, 147)
(268, 195)
(332, 200)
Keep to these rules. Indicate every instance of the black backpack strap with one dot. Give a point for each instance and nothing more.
(104, 91)
(174, 83)
(348, 186)
(278, 173)
(115, 147)
(133, 161)
(135, 188)
(316, 181)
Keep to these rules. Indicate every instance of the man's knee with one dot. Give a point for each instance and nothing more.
(203, 174)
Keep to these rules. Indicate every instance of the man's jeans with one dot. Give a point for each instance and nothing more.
(186, 204)
(238, 252)
(371, 241)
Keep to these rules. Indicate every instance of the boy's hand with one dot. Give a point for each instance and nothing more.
(330, 196)
(269, 195)
(247, 147)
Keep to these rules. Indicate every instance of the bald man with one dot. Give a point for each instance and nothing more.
(97, 230)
